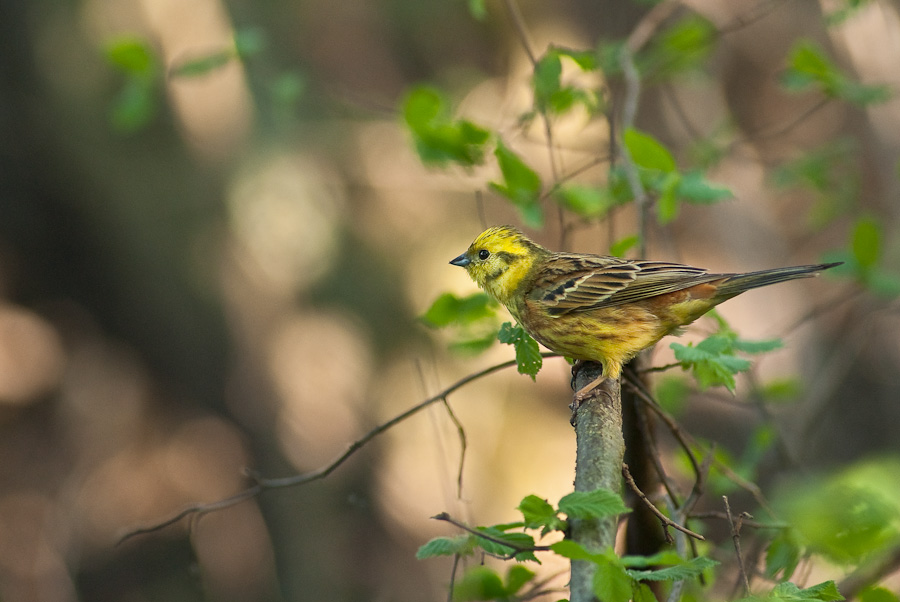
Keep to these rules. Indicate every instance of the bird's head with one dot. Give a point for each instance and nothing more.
(499, 260)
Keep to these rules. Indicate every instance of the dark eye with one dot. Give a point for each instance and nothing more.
(483, 254)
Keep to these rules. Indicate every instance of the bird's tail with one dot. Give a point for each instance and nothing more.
(739, 283)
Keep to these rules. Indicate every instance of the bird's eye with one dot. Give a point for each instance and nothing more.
(483, 254)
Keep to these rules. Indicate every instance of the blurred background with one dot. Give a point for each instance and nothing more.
(216, 239)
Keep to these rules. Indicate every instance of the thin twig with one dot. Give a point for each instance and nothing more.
(747, 522)
(519, 23)
(260, 484)
(665, 520)
(736, 538)
(517, 549)
(462, 445)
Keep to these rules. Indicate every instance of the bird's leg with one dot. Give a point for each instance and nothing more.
(584, 392)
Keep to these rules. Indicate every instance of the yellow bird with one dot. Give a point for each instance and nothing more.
(599, 308)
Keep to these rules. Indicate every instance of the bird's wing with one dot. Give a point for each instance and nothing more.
(575, 283)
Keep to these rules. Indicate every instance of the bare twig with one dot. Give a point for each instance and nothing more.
(260, 484)
(462, 445)
(665, 520)
(736, 538)
(747, 522)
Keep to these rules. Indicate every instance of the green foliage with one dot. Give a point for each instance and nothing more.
(483, 583)
(863, 259)
(623, 245)
(600, 503)
(551, 95)
(830, 173)
(713, 360)
(528, 354)
(438, 138)
(521, 185)
(661, 178)
(681, 48)
(138, 101)
(593, 202)
(447, 546)
(540, 514)
(783, 554)
(850, 517)
(449, 309)
(474, 318)
(877, 594)
(788, 592)
(809, 67)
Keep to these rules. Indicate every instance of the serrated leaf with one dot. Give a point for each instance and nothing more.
(611, 582)
(789, 592)
(539, 513)
(647, 152)
(528, 353)
(601, 503)
(687, 570)
(479, 583)
(446, 546)
(574, 551)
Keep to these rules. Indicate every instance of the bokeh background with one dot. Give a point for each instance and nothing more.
(225, 270)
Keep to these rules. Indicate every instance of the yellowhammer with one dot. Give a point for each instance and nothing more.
(604, 309)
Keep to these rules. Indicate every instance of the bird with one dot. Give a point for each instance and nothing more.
(601, 308)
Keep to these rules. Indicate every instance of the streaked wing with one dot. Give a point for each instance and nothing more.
(573, 283)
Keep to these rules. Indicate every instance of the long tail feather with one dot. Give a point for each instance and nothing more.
(739, 283)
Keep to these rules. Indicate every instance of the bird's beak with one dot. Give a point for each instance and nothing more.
(462, 261)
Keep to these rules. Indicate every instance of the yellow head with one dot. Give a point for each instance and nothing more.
(499, 260)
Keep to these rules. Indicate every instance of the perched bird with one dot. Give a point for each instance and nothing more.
(598, 308)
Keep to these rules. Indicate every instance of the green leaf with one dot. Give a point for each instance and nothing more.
(449, 309)
(574, 551)
(538, 513)
(446, 546)
(586, 201)
(547, 73)
(528, 353)
(687, 570)
(682, 47)
(611, 582)
(667, 202)
(517, 577)
(132, 56)
(135, 106)
(826, 592)
(478, 10)
(757, 346)
(622, 246)
(516, 541)
(203, 65)
(479, 583)
(877, 594)
(783, 554)
(808, 66)
(710, 361)
(647, 152)
(521, 184)
(866, 242)
(600, 503)
(439, 139)
(693, 187)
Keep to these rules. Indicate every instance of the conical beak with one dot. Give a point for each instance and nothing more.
(462, 261)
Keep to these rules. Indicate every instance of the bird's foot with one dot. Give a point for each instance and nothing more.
(582, 395)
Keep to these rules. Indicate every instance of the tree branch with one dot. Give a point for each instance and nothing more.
(261, 484)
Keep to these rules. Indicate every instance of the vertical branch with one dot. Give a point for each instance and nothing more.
(600, 450)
